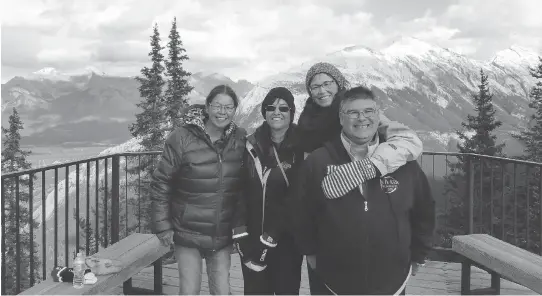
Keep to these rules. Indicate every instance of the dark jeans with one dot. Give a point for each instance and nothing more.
(318, 287)
(282, 275)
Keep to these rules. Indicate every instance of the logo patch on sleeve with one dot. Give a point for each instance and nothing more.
(388, 184)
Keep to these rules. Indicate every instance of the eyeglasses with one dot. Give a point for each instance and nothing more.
(227, 108)
(271, 108)
(326, 85)
(367, 113)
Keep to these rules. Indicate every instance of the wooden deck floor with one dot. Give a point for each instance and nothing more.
(436, 278)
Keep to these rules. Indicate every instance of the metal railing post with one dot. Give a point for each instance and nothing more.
(470, 195)
(115, 207)
(540, 204)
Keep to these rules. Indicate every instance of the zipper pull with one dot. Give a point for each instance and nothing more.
(366, 208)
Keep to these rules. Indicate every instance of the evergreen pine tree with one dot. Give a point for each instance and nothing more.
(483, 142)
(149, 123)
(177, 85)
(483, 124)
(14, 159)
(150, 126)
(532, 136)
(532, 139)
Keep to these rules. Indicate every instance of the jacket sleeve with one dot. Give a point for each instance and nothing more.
(402, 145)
(241, 206)
(160, 184)
(302, 210)
(422, 217)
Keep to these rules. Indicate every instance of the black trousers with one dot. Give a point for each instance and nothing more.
(317, 286)
(282, 275)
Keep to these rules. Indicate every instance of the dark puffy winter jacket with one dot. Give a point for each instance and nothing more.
(363, 251)
(197, 184)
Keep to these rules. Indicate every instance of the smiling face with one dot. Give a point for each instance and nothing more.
(360, 119)
(323, 89)
(276, 118)
(221, 111)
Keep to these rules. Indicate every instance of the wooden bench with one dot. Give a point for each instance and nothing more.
(500, 259)
(135, 252)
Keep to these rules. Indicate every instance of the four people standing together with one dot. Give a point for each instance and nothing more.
(342, 187)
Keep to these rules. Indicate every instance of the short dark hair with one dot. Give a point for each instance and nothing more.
(356, 93)
(222, 89)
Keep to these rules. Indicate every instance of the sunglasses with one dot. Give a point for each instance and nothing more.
(271, 108)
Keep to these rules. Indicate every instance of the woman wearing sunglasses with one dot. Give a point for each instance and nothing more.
(271, 261)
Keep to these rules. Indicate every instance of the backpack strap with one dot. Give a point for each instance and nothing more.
(280, 166)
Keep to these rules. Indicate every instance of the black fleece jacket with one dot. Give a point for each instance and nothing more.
(357, 251)
(267, 213)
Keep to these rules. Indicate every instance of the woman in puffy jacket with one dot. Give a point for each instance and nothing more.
(271, 260)
(195, 188)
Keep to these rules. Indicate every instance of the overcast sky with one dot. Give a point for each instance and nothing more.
(249, 38)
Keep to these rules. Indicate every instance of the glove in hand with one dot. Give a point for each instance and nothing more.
(259, 261)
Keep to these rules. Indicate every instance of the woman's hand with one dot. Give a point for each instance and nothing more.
(166, 237)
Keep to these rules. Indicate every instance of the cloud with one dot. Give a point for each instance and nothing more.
(496, 25)
(120, 51)
(17, 51)
(249, 39)
(401, 11)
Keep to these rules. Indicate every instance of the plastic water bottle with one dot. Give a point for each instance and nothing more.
(79, 271)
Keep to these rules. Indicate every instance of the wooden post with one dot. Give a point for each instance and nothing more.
(465, 277)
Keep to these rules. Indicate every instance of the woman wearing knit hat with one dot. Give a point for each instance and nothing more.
(271, 261)
(319, 123)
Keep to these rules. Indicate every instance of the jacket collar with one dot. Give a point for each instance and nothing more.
(349, 145)
(261, 138)
(339, 152)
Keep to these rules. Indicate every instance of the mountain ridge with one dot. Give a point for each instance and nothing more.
(429, 90)
(56, 107)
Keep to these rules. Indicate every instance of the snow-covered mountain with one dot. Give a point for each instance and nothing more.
(86, 106)
(427, 87)
(52, 74)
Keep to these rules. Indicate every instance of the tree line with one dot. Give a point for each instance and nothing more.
(506, 196)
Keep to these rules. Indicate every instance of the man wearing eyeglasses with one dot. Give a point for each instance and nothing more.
(371, 240)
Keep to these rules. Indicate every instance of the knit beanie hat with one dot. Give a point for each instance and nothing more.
(328, 69)
(279, 93)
